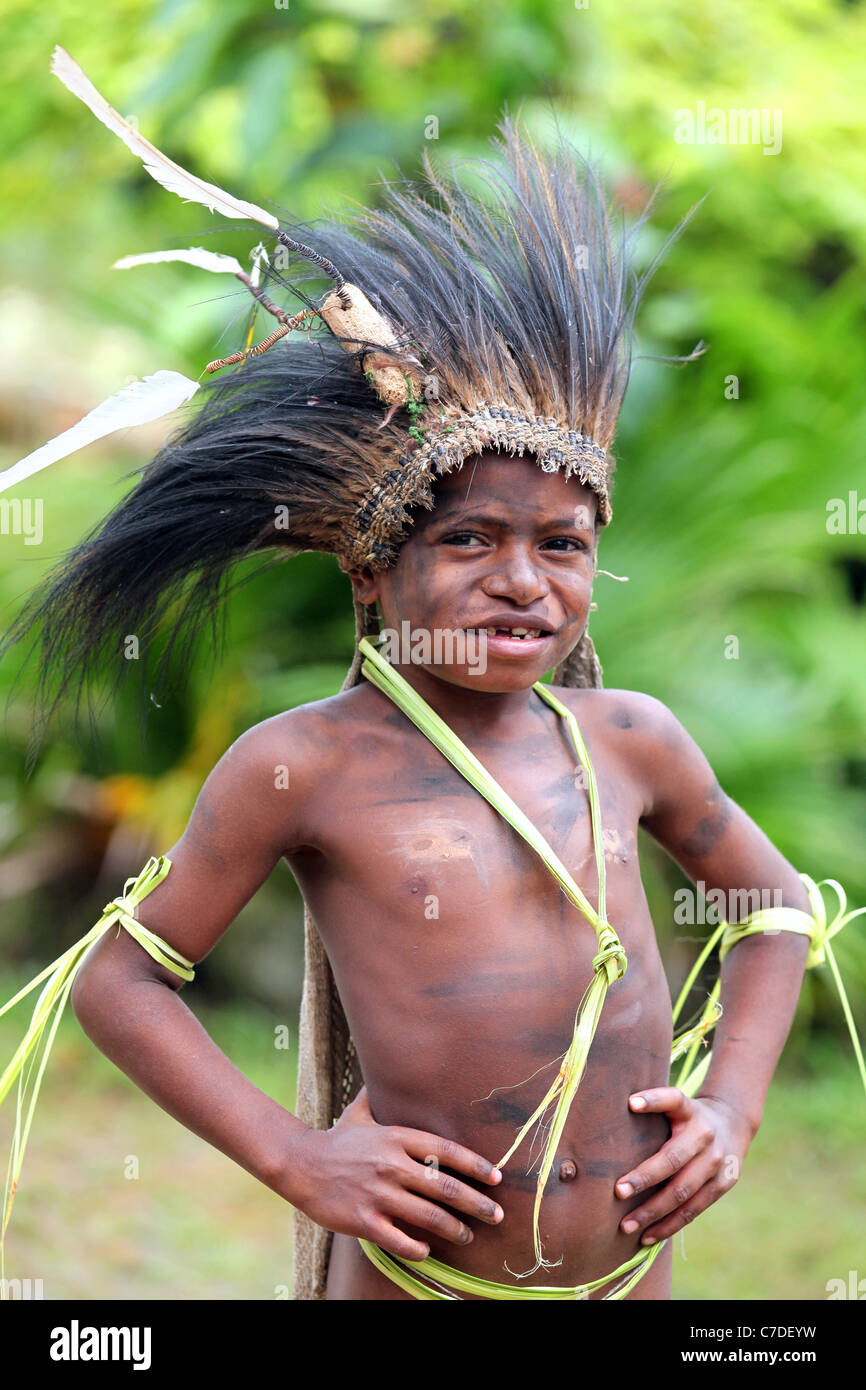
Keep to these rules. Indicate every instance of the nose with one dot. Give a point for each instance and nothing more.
(515, 575)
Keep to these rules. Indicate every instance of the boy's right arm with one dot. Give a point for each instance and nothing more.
(357, 1177)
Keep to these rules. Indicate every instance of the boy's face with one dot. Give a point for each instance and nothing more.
(506, 545)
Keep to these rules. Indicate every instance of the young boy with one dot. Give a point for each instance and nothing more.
(470, 338)
(445, 1011)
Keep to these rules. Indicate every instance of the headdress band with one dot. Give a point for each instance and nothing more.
(377, 522)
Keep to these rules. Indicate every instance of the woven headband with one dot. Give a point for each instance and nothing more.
(381, 520)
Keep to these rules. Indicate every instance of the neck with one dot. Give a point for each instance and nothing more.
(470, 713)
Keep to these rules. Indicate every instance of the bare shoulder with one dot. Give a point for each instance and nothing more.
(310, 735)
(643, 717)
(261, 791)
(313, 738)
(655, 752)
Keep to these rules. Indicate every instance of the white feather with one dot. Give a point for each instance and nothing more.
(136, 404)
(196, 255)
(258, 255)
(164, 170)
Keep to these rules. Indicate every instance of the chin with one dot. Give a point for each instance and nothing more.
(499, 677)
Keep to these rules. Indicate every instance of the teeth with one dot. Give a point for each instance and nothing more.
(519, 632)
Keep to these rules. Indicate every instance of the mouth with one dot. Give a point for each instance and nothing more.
(512, 640)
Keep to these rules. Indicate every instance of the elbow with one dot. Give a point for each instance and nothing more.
(94, 991)
(105, 980)
(86, 993)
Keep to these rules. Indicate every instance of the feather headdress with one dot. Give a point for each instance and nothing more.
(451, 321)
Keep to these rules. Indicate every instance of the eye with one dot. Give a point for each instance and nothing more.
(568, 540)
(563, 544)
(457, 536)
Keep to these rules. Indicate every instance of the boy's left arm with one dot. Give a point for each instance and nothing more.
(713, 840)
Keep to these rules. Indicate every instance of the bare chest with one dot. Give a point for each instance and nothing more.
(458, 958)
(409, 837)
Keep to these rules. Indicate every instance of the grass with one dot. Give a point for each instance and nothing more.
(794, 1219)
(192, 1225)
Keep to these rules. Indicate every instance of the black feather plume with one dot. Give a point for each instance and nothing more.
(520, 290)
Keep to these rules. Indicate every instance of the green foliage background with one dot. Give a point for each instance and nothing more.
(721, 504)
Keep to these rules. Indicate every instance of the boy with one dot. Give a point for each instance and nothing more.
(482, 996)
(471, 341)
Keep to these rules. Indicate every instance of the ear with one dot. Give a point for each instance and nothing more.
(364, 585)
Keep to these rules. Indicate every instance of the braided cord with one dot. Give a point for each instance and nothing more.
(609, 965)
(60, 977)
(610, 961)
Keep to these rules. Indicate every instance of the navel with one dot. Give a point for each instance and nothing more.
(567, 1171)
